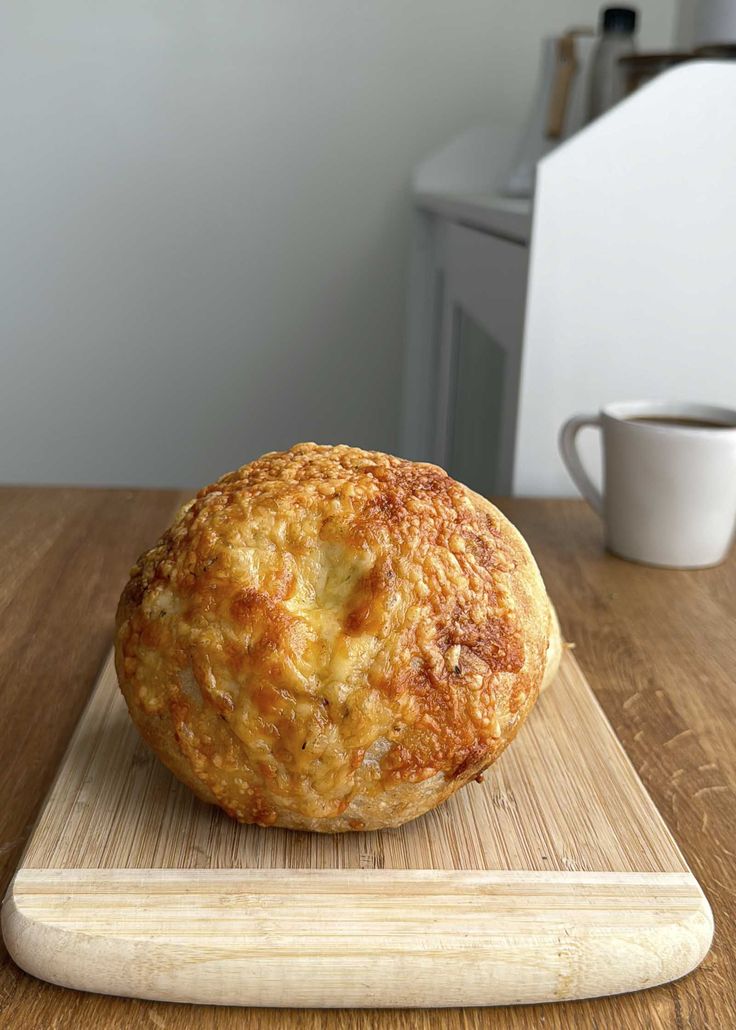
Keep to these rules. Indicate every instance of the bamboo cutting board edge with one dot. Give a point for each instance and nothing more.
(345, 939)
(350, 936)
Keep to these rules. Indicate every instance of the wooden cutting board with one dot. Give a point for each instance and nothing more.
(555, 878)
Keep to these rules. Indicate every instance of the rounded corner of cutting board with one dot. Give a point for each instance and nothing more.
(495, 938)
(24, 936)
(40, 943)
(702, 925)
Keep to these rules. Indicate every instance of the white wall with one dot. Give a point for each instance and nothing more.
(204, 216)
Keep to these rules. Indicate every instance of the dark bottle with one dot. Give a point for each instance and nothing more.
(607, 75)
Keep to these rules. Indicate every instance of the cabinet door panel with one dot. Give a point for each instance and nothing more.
(479, 360)
(476, 410)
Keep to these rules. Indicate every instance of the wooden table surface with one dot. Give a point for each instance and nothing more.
(659, 648)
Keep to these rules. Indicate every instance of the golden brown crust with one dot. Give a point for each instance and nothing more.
(333, 639)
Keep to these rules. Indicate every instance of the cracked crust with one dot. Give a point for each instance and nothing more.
(333, 639)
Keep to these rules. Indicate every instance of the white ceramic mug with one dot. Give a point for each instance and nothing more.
(669, 486)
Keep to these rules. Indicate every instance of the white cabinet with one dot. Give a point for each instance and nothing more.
(480, 335)
(466, 321)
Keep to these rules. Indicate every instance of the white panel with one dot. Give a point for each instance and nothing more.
(632, 285)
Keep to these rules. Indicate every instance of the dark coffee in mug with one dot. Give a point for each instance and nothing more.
(680, 422)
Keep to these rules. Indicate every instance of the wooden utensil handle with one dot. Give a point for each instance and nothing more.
(567, 66)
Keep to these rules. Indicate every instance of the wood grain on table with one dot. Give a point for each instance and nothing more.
(658, 647)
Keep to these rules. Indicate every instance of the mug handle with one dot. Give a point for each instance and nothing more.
(571, 458)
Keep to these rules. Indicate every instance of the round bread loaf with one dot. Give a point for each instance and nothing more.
(333, 639)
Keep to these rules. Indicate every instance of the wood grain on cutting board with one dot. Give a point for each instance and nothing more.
(554, 878)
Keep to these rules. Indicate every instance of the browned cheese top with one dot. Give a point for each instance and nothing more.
(328, 622)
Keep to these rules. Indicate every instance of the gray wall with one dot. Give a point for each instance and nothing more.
(204, 216)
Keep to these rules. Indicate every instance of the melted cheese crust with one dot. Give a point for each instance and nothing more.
(332, 639)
